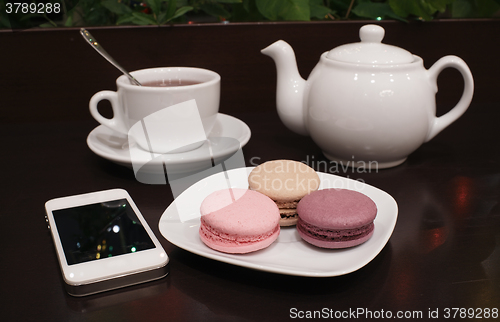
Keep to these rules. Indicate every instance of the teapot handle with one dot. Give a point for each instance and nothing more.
(439, 123)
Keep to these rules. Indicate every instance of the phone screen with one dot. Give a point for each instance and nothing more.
(100, 230)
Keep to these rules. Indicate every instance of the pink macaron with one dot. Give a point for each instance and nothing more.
(238, 221)
(336, 218)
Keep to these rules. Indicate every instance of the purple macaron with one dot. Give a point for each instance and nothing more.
(336, 218)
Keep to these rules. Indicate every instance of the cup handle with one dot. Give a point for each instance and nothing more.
(116, 123)
(439, 123)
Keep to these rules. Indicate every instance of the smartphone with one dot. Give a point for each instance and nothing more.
(103, 242)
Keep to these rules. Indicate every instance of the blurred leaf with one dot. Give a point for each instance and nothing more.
(69, 21)
(246, 11)
(180, 12)
(29, 16)
(116, 7)
(433, 6)
(424, 9)
(404, 8)
(167, 15)
(340, 4)
(285, 9)
(318, 10)
(215, 10)
(461, 8)
(97, 17)
(246, 5)
(155, 6)
(46, 25)
(229, 1)
(141, 18)
(270, 9)
(297, 10)
(125, 19)
(486, 8)
(474, 8)
(375, 10)
(4, 17)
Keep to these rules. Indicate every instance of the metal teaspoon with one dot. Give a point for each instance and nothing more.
(93, 42)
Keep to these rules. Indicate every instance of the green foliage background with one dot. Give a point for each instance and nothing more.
(80, 13)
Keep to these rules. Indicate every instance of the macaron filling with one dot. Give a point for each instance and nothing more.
(334, 235)
(287, 204)
(288, 212)
(222, 238)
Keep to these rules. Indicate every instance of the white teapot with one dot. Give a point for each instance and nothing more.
(365, 103)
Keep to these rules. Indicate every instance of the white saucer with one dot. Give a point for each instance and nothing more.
(115, 147)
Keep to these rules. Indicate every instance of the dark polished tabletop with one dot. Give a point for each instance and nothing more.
(443, 258)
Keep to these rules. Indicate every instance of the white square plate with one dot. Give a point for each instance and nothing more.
(289, 254)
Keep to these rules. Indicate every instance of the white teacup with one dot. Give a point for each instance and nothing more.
(175, 117)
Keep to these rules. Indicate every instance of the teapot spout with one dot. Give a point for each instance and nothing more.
(290, 86)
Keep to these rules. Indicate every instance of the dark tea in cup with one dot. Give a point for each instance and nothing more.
(170, 83)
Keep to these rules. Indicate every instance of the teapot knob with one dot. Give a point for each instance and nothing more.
(371, 33)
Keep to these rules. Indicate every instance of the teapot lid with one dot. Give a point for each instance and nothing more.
(371, 50)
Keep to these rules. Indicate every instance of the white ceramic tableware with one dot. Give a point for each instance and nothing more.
(163, 119)
(115, 147)
(366, 102)
(289, 254)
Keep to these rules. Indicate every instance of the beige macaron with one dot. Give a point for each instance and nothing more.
(285, 182)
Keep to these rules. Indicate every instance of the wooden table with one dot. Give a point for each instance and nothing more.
(443, 257)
